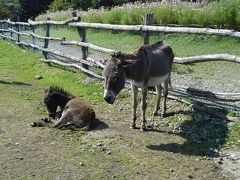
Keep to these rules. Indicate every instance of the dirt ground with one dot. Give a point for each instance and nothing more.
(110, 151)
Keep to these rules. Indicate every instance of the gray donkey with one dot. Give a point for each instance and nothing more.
(150, 65)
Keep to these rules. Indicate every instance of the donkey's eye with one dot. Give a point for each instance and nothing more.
(115, 78)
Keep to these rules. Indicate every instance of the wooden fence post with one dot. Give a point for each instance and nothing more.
(1, 26)
(33, 30)
(82, 34)
(46, 40)
(148, 21)
(18, 29)
(11, 26)
(18, 35)
(6, 25)
(33, 38)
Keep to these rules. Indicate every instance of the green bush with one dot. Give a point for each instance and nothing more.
(4, 12)
(85, 4)
(186, 15)
(113, 17)
(94, 17)
(133, 17)
(165, 14)
(238, 19)
(59, 5)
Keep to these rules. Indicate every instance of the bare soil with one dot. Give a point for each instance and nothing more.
(168, 150)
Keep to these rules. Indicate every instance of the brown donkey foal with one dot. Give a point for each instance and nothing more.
(74, 113)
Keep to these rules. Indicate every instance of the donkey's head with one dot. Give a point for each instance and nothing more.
(50, 101)
(115, 76)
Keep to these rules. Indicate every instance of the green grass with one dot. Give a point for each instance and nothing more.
(134, 155)
(27, 65)
(182, 44)
(223, 14)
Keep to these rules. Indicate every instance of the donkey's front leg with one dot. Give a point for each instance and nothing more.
(144, 106)
(134, 106)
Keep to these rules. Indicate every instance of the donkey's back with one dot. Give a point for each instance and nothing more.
(78, 113)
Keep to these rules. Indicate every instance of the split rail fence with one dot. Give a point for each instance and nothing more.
(9, 28)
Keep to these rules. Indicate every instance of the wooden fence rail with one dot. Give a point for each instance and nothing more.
(83, 63)
(36, 23)
(35, 35)
(166, 29)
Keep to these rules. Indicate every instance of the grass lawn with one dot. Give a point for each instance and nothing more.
(183, 44)
(177, 147)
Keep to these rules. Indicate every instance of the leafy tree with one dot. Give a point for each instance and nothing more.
(4, 12)
(30, 8)
(85, 4)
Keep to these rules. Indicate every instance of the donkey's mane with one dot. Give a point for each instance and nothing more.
(121, 55)
(60, 91)
(134, 54)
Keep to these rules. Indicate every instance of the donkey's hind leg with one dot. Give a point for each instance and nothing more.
(65, 119)
(159, 92)
(73, 127)
(165, 94)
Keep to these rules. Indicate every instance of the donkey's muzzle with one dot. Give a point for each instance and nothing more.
(109, 99)
(109, 96)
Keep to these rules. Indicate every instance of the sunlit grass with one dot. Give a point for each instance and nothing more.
(223, 14)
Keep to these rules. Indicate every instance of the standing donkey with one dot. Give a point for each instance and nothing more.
(150, 65)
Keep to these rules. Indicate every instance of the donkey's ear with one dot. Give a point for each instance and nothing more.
(116, 54)
(50, 90)
(104, 61)
(46, 90)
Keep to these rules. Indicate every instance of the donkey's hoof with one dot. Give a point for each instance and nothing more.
(46, 120)
(162, 116)
(33, 124)
(132, 126)
(143, 128)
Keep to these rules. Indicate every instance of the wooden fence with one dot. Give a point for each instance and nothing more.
(84, 62)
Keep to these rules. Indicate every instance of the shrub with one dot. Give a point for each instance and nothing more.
(133, 17)
(224, 13)
(113, 17)
(59, 5)
(165, 14)
(93, 16)
(4, 12)
(29, 8)
(186, 15)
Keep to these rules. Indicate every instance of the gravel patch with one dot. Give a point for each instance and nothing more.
(229, 161)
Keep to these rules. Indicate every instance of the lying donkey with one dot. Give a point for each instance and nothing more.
(75, 113)
(150, 65)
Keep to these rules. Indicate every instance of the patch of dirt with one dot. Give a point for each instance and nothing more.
(229, 161)
(168, 150)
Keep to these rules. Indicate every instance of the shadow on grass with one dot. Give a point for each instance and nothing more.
(15, 83)
(203, 134)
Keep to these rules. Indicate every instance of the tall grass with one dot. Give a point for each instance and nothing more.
(223, 14)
